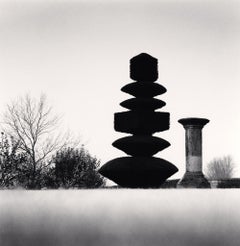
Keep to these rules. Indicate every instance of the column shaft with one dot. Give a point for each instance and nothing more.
(193, 140)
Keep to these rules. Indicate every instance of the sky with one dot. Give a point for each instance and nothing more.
(77, 53)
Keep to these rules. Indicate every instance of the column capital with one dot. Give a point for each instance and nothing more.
(193, 122)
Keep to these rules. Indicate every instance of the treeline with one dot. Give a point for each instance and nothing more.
(68, 168)
(34, 155)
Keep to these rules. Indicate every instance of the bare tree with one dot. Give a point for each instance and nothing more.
(220, 168)
(33, 125)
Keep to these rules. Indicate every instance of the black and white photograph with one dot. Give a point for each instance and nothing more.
(119, 122)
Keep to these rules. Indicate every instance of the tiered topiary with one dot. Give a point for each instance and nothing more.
(140, 169)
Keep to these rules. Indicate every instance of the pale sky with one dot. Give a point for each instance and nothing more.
(77, 53)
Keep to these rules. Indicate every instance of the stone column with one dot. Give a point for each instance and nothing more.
(193, 177)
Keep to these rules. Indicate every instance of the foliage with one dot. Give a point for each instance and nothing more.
(13, 168)
(77, 168)
(7, 173)
(220, 168)
(32, 124)
(33, 155)
(69, 168)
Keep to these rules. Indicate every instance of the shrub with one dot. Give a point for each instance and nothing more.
(76, 168)
(13, 164)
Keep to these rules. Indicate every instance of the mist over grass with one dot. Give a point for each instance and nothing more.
(119, 217)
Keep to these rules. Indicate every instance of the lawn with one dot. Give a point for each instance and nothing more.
(120, 217)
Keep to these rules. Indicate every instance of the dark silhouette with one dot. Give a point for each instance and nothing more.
(140, 169)
(76, 168)
(67, 168)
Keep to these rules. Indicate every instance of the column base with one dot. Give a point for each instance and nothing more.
(193, 180)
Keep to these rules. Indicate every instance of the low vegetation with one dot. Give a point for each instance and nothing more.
(33, 155)
(220, 168)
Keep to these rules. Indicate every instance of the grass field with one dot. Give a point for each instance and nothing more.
(121, 217)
